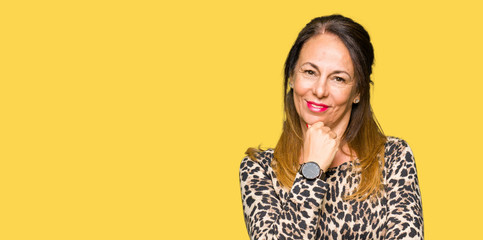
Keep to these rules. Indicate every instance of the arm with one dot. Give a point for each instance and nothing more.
(265, 216)
(405, 215)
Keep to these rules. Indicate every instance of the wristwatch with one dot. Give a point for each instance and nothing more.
(311, 171)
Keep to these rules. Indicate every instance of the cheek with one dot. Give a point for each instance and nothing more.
(299, 93)
(301, 88)
(296, 101)
(344, 96)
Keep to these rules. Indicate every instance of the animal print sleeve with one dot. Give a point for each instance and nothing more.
(405, 216)
(265, 215)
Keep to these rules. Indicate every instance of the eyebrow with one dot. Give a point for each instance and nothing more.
(335, 72)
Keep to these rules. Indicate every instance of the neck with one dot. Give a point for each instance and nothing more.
(345, 154)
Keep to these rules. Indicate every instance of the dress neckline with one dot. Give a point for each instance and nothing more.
(342, 167)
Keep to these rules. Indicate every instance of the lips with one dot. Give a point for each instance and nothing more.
(316, 107)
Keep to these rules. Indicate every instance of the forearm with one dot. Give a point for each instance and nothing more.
(268, 217)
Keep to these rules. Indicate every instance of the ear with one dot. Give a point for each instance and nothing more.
(357, 98)
(290, 84)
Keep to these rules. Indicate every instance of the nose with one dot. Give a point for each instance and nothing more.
(320, 88)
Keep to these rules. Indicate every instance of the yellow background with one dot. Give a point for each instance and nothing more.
(129, 119)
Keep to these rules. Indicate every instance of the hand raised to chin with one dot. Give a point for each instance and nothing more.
(320, 145)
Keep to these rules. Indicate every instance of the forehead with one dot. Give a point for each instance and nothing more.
(328, 51)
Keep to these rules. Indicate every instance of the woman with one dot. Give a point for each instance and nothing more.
(333, 173)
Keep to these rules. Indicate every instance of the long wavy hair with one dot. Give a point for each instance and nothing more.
(363, 134)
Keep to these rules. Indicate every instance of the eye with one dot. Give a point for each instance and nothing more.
(339, 79)
(310, 72)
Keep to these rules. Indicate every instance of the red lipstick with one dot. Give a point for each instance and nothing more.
(316, 107)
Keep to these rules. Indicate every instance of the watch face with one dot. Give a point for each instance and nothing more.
(310, 170)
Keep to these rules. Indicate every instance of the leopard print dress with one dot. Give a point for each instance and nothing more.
(315, 209)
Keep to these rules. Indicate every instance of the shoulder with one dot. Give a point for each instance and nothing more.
(262, 162)
(395, 146)
(398, 154)
(395, 142)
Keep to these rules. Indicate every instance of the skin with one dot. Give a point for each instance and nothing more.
(324, 74)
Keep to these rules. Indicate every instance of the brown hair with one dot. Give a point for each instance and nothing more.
(363, 134)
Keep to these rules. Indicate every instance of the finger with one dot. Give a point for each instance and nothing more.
(333, 135)
(337, 142)
(318, 124)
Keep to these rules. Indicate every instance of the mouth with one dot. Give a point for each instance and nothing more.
(316, 107)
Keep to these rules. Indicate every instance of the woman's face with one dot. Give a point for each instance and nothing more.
(323, 83)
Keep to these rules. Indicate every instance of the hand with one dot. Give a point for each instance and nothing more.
(320, 145)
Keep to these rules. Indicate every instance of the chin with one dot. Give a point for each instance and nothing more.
(311, 120)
